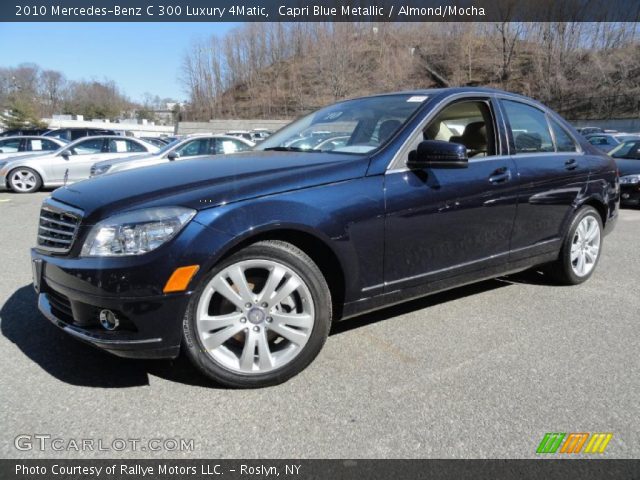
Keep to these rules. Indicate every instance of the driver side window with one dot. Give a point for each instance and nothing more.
(193, 148)
(88, 147)
(469, 123)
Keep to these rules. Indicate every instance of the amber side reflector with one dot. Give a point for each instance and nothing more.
(180, 278)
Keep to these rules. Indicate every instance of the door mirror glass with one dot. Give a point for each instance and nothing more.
(438, 154)
(65, 154)
(172, 156)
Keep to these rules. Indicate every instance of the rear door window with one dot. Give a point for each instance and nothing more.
(529, 128)
(564, 142)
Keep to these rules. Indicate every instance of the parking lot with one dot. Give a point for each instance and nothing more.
(481, 371)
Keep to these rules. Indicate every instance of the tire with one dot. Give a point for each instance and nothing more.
(257, 339)
(24, 180)
(577, 246)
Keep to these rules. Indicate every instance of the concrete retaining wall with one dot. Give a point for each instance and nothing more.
(222, 126)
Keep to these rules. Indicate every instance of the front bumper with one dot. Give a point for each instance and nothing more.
(630, 194)
(150, 326)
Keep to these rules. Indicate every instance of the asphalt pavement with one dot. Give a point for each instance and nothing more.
(480, 371)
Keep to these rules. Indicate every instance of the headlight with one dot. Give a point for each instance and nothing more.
(630, 179)
(136, 232)
(100, 169)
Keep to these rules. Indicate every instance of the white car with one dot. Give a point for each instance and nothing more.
(186, 148)
(68, 164)
(13, 147)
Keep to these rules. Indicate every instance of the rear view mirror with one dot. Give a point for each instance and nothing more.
(438, 154)
(172, 156)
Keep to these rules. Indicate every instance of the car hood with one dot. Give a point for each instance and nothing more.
(628, 167)
(209, 181)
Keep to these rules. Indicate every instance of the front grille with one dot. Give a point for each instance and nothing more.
(58, 226)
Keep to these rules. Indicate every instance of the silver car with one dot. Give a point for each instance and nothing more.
(69, 163)
(13, 147)
(189, 147)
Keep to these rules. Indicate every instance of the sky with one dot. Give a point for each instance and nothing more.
(139, 57)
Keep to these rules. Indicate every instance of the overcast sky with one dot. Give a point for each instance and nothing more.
(140, 57)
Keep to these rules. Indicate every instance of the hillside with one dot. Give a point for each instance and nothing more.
(275, 71)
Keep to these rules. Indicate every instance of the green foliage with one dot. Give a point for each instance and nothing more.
(144, 113)
(21, 114)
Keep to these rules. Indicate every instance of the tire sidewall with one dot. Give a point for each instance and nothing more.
(35, 174)
(568, 241)
(315, 282)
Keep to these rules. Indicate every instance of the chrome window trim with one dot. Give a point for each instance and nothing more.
(403, 151)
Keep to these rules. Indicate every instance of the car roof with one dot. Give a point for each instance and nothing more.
(33, 137)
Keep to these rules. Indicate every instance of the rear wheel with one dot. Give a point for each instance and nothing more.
(259, 317)
(581, 248)
(24, 180)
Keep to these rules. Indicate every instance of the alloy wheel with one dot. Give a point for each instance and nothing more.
(255, 316)
(585, 246)
(23, 180)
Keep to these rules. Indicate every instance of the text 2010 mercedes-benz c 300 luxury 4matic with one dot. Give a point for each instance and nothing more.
(245, 261)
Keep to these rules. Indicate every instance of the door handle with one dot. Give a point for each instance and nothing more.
(571, 164)
(500, 175)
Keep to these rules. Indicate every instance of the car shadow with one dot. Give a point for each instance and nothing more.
(413, 305)
(77, 363)
(80, 364)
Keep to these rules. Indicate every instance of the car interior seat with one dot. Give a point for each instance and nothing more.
(474, 138)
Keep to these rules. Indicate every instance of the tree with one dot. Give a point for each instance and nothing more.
(21, 114)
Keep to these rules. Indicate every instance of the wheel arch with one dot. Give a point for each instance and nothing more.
(19, 165)
(318, 249)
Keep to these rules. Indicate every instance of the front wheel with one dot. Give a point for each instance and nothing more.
(259, 317)
(24, 180)
(581, 248)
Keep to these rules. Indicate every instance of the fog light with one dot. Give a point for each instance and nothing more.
(108, 320)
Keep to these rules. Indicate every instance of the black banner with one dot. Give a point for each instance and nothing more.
(317, 469)
(319, 11)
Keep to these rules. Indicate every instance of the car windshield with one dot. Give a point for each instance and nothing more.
(630, 150)
(355, 126)
(627, 138)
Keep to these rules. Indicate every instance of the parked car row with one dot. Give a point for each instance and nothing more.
(190, 147)
(34, 162)
(627, 158)
(28, 145)
(68, 134)
(256, 135)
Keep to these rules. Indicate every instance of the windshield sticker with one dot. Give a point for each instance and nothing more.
(330, 117)
(417, 98)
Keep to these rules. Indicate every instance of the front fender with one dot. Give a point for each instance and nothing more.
(346, 216)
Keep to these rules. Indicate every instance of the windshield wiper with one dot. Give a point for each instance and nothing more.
(290, 149)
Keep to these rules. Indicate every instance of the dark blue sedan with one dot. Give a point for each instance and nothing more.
(246, 260)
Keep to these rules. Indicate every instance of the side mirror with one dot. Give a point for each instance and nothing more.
(172, 156)
(65, 154)
(438, 154)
